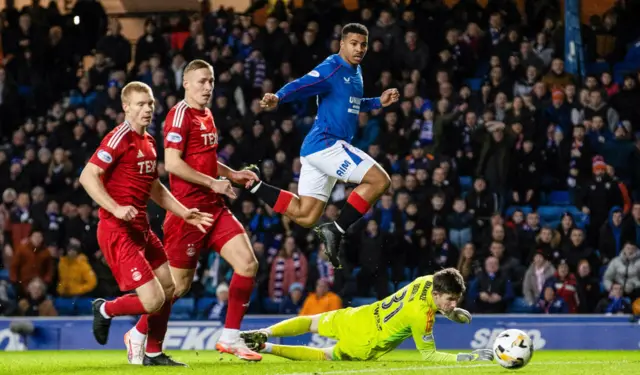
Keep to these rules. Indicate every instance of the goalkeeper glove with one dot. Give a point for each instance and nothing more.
(459, 315)
(476, 355)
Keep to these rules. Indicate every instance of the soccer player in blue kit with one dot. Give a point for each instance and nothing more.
(327, 154)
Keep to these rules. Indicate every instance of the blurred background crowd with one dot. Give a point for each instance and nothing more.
(540, 213)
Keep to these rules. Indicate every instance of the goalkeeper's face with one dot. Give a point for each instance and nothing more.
(353, 47)
(446, 302)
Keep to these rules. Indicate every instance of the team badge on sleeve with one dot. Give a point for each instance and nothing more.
(174, 137)
(314, 73)
(105, 156)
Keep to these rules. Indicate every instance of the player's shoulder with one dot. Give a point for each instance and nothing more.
(121, 134)
(178, 113)
(327, 67)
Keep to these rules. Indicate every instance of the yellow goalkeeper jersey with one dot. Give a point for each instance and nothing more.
(368, 332)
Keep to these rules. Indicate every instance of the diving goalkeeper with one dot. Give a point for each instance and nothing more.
(371, 331)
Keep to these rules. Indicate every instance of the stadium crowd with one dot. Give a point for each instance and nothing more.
(536, 211)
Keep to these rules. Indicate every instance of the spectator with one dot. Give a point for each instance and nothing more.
(36, 302)
(565, 286)
(370, 258)
(539, 271)
(292, 304)
(624, 270)
(615, 303)
(611, 234)
(550, 303)
(323, 300)
(115, 46)
(460, 224)
(494, 288)
(588, 289)
(598, 107)
(31, 260)
(557, 78)
(482, 203)
(218, 311)
(289, 266)
(631, 226)
(75, 276)
(577, 250)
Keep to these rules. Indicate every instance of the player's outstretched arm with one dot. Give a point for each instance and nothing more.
(314, 83)
(177, 166)
(387, 98)
(163, 197)
(92, 184)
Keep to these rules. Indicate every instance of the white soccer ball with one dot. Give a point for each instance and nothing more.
(513, 349)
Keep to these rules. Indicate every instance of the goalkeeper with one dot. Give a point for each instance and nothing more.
(371, 331)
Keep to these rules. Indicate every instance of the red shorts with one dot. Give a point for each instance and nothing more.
(183, 242)
(132, 256)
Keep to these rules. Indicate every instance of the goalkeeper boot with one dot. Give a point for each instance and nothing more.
(251, 168)
(255, 340)
(331, 237)
(161, 360)
(101, 324)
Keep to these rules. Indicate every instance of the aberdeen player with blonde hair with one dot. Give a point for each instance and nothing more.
(191, 142)
(121, 176)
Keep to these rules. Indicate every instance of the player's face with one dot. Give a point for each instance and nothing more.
(354, 47)
(198, 86)
(139, 108)
(445, 302)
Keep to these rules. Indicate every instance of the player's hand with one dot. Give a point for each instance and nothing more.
(223, 187)
(459, 315)
(244, 177)
(199, 219)
(476, 355)
(387, 98)
(269, 101)
(125, 213)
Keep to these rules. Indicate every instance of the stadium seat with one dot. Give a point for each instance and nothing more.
(203, 306)
(475, 84)
(559, 198)
(270, 306)
(552, 224)
(4, 274)
(83, 306)
(391, 287)
(598, 67)
(519, 306)
(403, 284)
(355, 271)
(550, 213)
(183, 309)
(64, 306)
(361, 301)
(466, 183)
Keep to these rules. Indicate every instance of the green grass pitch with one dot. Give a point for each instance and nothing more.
(399, 362)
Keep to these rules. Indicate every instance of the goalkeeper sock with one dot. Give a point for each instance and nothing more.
(296, 353)
(353, 210)
(291, 327)
(277, 198)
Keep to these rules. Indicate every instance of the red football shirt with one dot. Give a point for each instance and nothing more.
(129, 162)
(193, 132)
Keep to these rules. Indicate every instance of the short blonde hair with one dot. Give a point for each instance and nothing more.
(135, 86)
(196, 65)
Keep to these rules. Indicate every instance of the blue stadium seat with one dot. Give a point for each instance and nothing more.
(355, 271)
(403, 284)
(64, 306)
(83, 306)
(552, 224)
(466, 183)
(598, 67)
(183, 309)
(270, 306)
(559, 198)
(4, 274)
(391, 287)
(361, 301)
(511, 209)
(550, 213)
(203, 306)
(519, 306)
(475, 84)
(482, 69)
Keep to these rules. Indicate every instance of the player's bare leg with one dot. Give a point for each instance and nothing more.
(144, 341)
(374, 183)
(239, 254)
(148, 299)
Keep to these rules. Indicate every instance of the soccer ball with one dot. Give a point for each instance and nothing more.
(513, 349)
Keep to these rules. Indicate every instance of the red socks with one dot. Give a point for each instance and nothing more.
(239, 296)
(158, 322)
(129, 304)
(284, 198)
